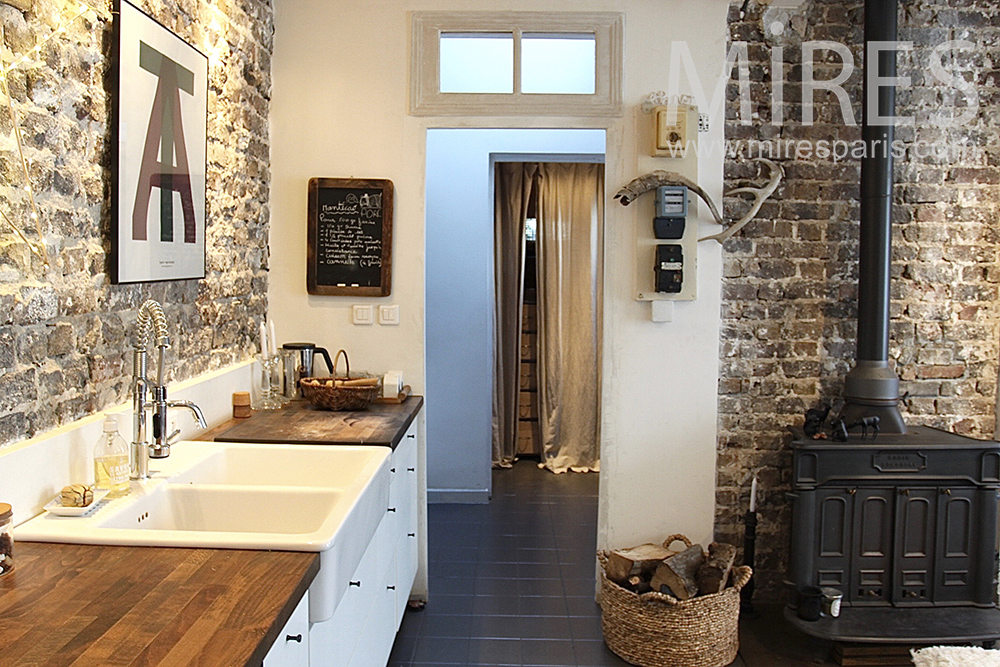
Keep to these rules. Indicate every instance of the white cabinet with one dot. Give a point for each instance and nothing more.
(364, 625)
(291, 648)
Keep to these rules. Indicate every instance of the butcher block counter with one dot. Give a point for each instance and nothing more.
(75, 604)
(300, 423)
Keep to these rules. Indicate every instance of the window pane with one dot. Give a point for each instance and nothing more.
(558, 63)
(477, 62)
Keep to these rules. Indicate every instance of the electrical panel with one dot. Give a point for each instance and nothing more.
(671, 211)
(669, 268)
(667, 240)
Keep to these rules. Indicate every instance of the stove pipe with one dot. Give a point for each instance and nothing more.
(872, 386)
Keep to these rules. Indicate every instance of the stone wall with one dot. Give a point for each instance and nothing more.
(64, 329)
(789, 292)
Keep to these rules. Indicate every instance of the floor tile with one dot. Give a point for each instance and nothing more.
(495, 652)
(547, 652)
(596, 654)
(441, 650)
(495, 627)
(456, 627)
(544, 627)
(495, 605)
(447, 605)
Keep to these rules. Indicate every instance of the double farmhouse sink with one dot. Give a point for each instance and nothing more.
(246, 496)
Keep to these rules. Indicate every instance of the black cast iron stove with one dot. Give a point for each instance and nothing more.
(905, 525)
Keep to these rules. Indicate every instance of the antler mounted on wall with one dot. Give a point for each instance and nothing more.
(653, 180)
(759, 195)
(657, 178)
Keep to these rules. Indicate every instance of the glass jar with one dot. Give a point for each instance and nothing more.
(6, 538)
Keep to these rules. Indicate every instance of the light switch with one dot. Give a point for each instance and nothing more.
(362, 315)
(388, 314)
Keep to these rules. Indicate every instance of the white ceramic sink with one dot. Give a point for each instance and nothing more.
(272, 465)
(328, 499)
(265, 513)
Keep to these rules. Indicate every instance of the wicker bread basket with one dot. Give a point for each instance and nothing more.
(338, 392)
(658, 630)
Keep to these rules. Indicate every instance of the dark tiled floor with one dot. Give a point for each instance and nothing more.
(512, 582)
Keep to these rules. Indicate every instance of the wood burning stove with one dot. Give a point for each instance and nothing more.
(905, 525)
(905, 520)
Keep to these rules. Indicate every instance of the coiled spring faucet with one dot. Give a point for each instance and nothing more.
(151, 322)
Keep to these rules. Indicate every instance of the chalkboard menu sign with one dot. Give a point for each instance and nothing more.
(350, 237)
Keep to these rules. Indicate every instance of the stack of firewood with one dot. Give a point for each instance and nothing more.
(681, 574)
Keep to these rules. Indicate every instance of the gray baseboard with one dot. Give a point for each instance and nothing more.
(458, 496)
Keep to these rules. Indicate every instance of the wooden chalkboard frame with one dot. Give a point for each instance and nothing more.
(317, 186)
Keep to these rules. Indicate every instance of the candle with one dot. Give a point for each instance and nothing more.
(263, 341)
(753, 494)
(272, 341)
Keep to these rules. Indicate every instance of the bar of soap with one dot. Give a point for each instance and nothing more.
(76, 495)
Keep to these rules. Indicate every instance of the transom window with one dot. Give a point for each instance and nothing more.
(516, 63)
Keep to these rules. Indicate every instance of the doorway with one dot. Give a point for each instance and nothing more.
(459, 296)
(548, 264)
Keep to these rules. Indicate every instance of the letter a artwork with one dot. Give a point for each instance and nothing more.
(163, 146)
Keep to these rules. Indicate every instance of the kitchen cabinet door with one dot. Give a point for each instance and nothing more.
(333, 641)
(291, 648)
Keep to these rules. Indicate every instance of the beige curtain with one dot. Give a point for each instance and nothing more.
(570, 212)
(570, 273)
(512, 187)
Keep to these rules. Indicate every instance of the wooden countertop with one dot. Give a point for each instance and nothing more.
(300, 423)
(73, 604)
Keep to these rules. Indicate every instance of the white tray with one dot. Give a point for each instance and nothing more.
(55, 505)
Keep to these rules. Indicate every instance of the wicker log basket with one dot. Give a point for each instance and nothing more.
(657, 630)
(341, 392)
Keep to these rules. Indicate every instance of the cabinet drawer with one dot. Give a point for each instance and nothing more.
(529, 376)
(529, 346)
(527, 405)
(291, 648)
(529, 319)
(333, 641)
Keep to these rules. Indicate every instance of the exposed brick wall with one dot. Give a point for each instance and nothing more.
(64, 329)
(789, 291)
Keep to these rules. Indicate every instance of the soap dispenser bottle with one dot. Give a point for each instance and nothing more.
(111, 461)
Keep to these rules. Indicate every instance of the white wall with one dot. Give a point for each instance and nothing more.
(339, 108)
(459, 296)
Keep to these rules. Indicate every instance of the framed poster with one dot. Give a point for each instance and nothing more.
(160, 118)
(350, 237)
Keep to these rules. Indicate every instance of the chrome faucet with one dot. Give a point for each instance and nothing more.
(151, 321)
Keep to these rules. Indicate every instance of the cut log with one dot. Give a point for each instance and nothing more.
(641, 560)
(679, 573)
(638, 584)
(714, 572)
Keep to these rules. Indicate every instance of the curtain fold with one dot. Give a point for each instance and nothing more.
(570, 210)
(512, 187)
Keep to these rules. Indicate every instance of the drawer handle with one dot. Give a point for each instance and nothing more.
(411, 470)
(392, 470)
(411, 534)
(392, 509)
(293, 638)
(411, 435)
(355, 583)
(390, 588)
